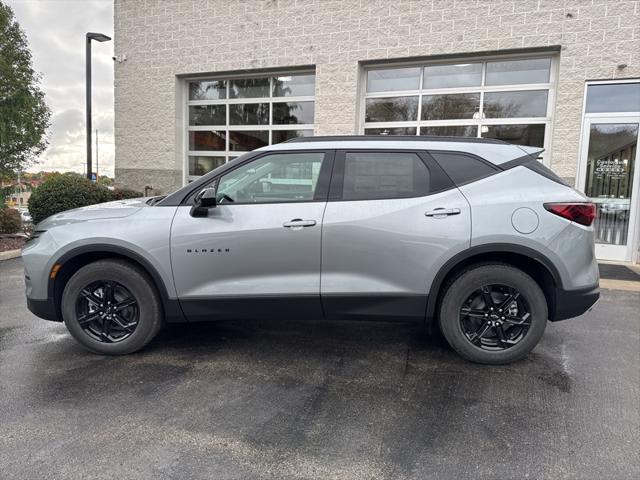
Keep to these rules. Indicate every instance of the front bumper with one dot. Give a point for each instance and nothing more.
(573, 303)
(43, 309)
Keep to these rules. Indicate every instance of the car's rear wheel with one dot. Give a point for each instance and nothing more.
(493, 313)
(111, 307)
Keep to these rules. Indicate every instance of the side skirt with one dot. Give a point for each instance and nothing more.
(258, 307)
(377, 307)
(395, 308)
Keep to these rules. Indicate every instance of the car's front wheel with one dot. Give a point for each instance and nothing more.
(111, 307)
(493, 313)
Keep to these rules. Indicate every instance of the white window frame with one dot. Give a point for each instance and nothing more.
(269, 128)
(633, 245)
(550, 87)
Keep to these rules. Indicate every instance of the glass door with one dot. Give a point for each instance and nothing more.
(609, 177)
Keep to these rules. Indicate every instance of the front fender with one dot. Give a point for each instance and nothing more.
(80, 253)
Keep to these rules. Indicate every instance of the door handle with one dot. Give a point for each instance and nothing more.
(298, 223)
(442, 212)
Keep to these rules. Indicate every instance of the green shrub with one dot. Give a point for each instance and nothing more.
(64, 192)
(122, 193)
(10, 221)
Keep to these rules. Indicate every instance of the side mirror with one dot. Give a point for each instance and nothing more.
(204, 200)
(208, 198)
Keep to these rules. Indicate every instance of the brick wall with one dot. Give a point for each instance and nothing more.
(163, 39)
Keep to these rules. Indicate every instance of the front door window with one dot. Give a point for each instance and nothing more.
(276, 178)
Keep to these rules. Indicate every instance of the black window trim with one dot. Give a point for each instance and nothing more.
(436, 173)
(322, 187)
(496, 169)
(532, 159)
(516, 162)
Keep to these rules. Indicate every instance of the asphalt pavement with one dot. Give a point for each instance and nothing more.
(309, 400)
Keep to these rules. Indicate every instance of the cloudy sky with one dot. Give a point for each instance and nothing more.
(55, 30)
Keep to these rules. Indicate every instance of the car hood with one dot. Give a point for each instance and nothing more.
(100, 211)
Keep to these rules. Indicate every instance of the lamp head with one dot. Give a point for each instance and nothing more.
(99, 37)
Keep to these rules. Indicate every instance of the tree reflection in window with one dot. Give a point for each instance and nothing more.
(208, 115)
(294, 86)
(210, 90)
(532, 103)
(249, 114)
(395, 109)
(449, 107)
(532, 135)
(292, 113)
(249, 88)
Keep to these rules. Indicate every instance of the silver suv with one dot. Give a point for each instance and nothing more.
(473, 235)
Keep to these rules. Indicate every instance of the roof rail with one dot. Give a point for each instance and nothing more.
(393, 138)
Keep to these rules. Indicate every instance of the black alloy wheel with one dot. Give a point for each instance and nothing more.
(495, 317)
(107, 311)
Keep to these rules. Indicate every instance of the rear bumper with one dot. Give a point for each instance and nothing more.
(43, 309)
(573, 303)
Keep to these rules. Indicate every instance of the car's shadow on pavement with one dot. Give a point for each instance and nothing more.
(381, 354)
(294, 333)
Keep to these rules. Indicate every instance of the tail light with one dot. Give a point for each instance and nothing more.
(582, 213)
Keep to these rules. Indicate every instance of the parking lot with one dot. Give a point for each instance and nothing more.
(318, 401)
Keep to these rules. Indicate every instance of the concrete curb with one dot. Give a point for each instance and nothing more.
(628, 285)
(9, 254)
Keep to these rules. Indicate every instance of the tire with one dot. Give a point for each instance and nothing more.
(466, 318)
(127, 285)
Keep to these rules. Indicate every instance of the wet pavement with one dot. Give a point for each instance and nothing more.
(318, 401)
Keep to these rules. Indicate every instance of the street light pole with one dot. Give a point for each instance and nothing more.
(100, 37)
(97, 160)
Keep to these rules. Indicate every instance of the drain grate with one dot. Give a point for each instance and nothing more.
(617, 272)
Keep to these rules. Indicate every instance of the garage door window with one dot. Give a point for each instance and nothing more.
(505, 98)
(229, 116)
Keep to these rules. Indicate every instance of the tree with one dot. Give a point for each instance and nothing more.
(24, 115)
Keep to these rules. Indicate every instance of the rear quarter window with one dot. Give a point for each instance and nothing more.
(538, 167)
(463, 168)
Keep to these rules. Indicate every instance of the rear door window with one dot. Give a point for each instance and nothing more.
(384, 175)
